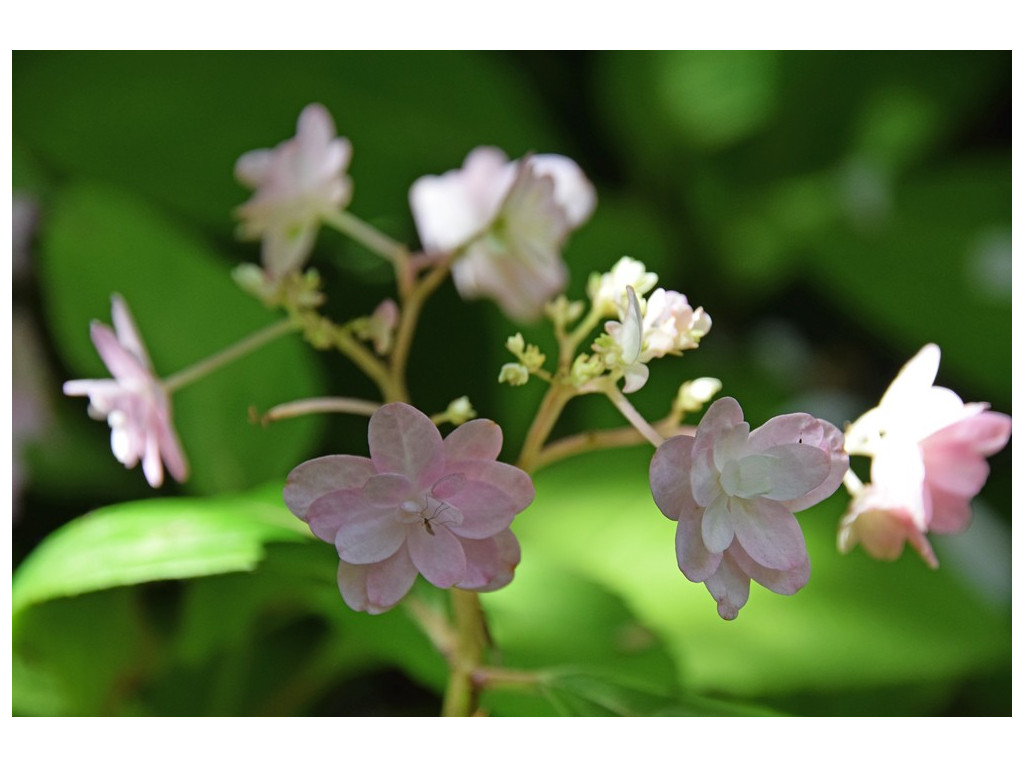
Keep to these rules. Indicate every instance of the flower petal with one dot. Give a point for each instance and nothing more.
(717, 524)
(406, 442)
(573, 191)
(476, 440)
(376, 588)
(780, 582)
(768, 532)
(730, 587)
(670, 478)
(490, 563)
(694, 559)
(437, 554)
(317, 477)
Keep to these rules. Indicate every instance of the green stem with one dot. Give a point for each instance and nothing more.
(205, 367)
(462, 694)
(551, 406)
(369, 236)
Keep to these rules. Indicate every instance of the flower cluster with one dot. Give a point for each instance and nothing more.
(928, 454)
(663, 324)
(734, 492)
(442, 507)
(134, 402)
(418, 504)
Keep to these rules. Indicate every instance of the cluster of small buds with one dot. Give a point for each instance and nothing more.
(531, 361)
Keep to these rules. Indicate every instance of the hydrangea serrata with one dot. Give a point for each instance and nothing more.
(929, 452)
(418, 504)
(134, 403)
(512, 219)
(733, 492)
(296, 185)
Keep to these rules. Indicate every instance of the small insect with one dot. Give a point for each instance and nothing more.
(427, 520)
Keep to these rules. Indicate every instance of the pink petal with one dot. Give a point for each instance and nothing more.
(477, 440)
(366, 534)
(405, 442)
(127, 332)
(768, 532)
(781, 582)
(119, 361)
(490, 563)
(378, 587)
(670, 478)
(950, 511)
(437, 554)
(694, 559)
(730, 587)
(317, 477)
(491, 495)
(330, 511)
(388, 490)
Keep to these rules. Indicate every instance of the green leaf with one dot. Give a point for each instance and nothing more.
(100, 240)
(151, 540)
(582, 694)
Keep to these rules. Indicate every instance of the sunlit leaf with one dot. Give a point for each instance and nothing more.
(154, 539)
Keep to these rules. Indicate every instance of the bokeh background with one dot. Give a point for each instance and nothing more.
(833, 212)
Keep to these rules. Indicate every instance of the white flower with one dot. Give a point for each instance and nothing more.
(296, 185)
(512, 219)
(671, 325)
(608, 291)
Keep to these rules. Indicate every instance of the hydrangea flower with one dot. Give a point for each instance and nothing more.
(734, 492)
(929, 452)
(418, 504)
(512, 218)
(296, 185)
(134, 402)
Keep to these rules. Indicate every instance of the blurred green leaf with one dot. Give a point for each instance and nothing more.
(100, 240)
(151, 540)
(582, 694)
(81, 657)
(858, 624)
(181, 119)
(933, 264)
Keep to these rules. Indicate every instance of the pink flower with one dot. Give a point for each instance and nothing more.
(734, 493)
(134, 402)
(929, 452)
(512, 219)
(296, 185)
(419, 504)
